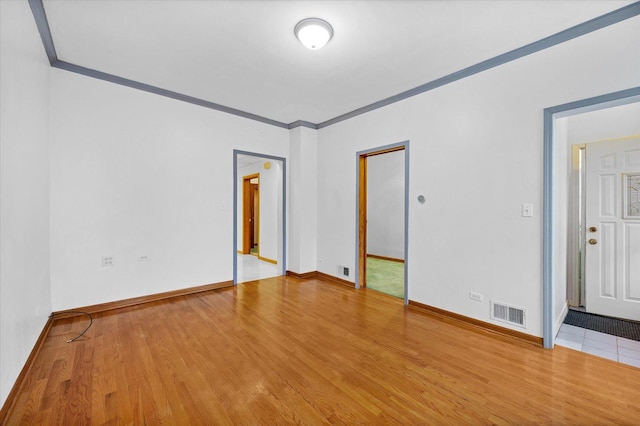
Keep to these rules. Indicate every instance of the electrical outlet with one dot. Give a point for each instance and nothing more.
(478, 297)
(107, 260)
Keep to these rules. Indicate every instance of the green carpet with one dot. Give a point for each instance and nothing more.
(385, 276)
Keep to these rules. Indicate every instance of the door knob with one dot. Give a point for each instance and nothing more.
(593, 229)
(593, 241)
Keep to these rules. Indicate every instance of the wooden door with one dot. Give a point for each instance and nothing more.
(255, 214)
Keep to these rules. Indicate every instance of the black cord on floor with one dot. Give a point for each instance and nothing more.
(75, 312)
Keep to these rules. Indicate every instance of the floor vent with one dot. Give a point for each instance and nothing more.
(510, 314)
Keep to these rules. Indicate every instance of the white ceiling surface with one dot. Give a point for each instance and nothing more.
(244, 55)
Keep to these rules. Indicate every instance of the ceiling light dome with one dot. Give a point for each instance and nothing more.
(313, 33)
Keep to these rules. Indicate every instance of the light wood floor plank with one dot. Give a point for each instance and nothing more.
(292, 351)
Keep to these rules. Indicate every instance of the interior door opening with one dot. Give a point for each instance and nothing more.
(259, 233)
(382, 220)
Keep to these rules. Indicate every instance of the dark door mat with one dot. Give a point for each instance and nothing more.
(613, 326)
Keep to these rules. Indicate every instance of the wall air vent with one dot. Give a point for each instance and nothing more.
(343, 271)
(509, 314)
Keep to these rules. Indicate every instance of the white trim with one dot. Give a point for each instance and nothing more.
(560, 320)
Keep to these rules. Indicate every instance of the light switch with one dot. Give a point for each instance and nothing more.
(527, 210)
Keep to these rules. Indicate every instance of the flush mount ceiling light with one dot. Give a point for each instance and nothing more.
(313, 33)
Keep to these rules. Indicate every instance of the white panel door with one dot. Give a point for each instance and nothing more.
(613, 228)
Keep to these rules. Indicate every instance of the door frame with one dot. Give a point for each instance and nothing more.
(283, 251)
(246, 213)
(576, 239)
(549, 232)
(361, 212)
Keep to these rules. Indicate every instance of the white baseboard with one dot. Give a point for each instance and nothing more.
(559, 320)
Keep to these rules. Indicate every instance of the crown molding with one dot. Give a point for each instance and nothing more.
(163, 92)
(571, 33)
(302, 123)
(594, 24)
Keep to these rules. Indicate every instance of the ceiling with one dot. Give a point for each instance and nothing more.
(244, 55)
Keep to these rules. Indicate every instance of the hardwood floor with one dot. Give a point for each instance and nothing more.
(286, 350)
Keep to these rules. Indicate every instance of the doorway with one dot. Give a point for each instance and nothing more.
(607, 222)
(259, 229)
(555, 229)
(382, 219)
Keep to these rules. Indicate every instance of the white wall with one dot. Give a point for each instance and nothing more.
(135, 174)
(270, 206)
(476, 155)
(303, 200)
(25, 298)
(385, 205)
(609, 123)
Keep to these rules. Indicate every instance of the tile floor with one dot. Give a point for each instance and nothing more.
(250, 268)
(600, 344)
